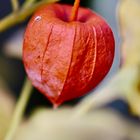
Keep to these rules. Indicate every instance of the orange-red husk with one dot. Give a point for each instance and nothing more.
(65, 60)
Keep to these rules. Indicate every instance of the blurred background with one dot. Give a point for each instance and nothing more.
(118, 119)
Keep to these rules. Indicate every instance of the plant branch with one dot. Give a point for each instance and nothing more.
(15, 5)
(18, 17)
(19, 110)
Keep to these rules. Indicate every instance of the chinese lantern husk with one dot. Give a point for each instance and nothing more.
(64, 59)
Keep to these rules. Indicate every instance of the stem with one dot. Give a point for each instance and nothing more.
(15, 5)
(25, 11)
(75, 8)
(19, 110)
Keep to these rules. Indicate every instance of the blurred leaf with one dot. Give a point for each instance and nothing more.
(6, 108)
(59, 125)
(130, 29)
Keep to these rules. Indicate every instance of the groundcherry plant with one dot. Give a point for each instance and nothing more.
(67, 51)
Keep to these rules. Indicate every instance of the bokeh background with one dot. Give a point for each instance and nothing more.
(116, 118)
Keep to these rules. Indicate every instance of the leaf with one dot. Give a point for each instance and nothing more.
(59, 125)
(130, 30)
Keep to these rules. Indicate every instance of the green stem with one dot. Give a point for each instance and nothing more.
(25, 11)
(15, 5)
(19, 110)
